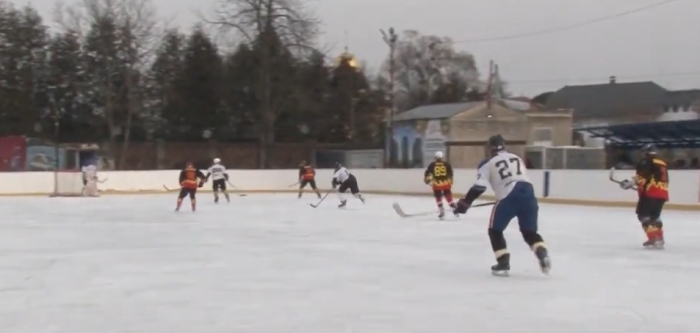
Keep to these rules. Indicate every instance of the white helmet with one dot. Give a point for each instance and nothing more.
(438, 154)
(217, 160)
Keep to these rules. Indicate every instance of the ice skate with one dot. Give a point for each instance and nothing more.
(342, 203)
(545, 262)
(502, 266)
(441, 213)
(228, 198)
(654, 244)
(216, 198)
(453, 206)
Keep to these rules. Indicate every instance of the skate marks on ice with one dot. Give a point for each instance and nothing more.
(243, 267)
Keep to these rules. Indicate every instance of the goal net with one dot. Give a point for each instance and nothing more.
(67, 184)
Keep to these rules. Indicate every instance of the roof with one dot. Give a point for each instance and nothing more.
(600, 100)
(435, 111)
(682, 98)
(664, 134)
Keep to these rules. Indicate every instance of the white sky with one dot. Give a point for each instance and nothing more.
(659, 44)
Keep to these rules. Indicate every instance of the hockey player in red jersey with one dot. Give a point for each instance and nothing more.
(190, 179)
(439, 175)
(651, 180)
(307, 176)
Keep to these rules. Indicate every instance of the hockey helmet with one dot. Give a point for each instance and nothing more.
(649, 149)
(439, 155)
(496, 143)
(217, 160)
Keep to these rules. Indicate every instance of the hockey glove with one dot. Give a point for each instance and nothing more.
(626, 184)
(427, 181)
(334, 183)
(201, 183)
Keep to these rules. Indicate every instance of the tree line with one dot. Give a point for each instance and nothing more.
(110, 71)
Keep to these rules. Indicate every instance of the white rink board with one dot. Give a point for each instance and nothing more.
(564, 186)
(272, 264)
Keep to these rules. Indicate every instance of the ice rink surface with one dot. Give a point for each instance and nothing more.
(272, 264)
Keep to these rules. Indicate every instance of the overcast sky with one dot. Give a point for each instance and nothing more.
(661, 44)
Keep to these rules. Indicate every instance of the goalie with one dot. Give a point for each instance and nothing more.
(90, 181)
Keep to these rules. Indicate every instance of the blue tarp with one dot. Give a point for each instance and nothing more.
(664, 134)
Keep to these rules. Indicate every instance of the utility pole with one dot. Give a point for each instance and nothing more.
(390, 39)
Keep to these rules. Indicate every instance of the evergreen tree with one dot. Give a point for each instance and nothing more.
(67, 79)
(198, 88)
(239, 99)
(104, 79)
(314, 92)
(164, 74)
(23, 67)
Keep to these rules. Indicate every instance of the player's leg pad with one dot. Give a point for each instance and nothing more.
(498, 241)
(532, 238)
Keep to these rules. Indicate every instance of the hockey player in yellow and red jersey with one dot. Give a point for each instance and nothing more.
(190, 179)
(651, 180)
(439, 176)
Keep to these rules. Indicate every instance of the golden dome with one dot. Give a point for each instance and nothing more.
(349, 57)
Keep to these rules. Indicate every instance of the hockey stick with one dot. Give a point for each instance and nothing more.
(320, 201)
(166, 188)
(295, 184)
(401, 212)
(614, 180)
(236, 188)
(102, 181)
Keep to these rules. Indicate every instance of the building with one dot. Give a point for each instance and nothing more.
(461, 131)
(615, 103)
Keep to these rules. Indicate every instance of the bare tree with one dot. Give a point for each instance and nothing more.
(263, 23)
(424, 63)
(137, 31)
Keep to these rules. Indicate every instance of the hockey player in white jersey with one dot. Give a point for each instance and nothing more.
(219, 177)
(505, 173)
(344, 180)
(90, 180)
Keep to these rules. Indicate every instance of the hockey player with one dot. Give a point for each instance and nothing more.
(651, 180)
(90, 180)
(439, 176)
(190, 179)
(219, 177)
(506, 174)
(343, 178)
(307, 176)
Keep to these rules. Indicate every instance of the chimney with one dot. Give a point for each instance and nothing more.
(613, 79)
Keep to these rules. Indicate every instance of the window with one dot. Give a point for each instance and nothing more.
(542, 137)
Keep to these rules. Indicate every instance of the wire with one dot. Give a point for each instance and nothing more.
(566, 27)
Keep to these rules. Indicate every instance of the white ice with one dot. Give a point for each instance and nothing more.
(271, 263)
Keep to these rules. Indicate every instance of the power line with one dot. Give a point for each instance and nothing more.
(566, 27)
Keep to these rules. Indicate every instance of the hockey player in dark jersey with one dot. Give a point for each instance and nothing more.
(439, 175)
(307, 176)
(190, 179)
(651, 180)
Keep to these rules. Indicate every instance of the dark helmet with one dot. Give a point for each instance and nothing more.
(649, 148)
(303, 163)
(496, 143)
(338, 166)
